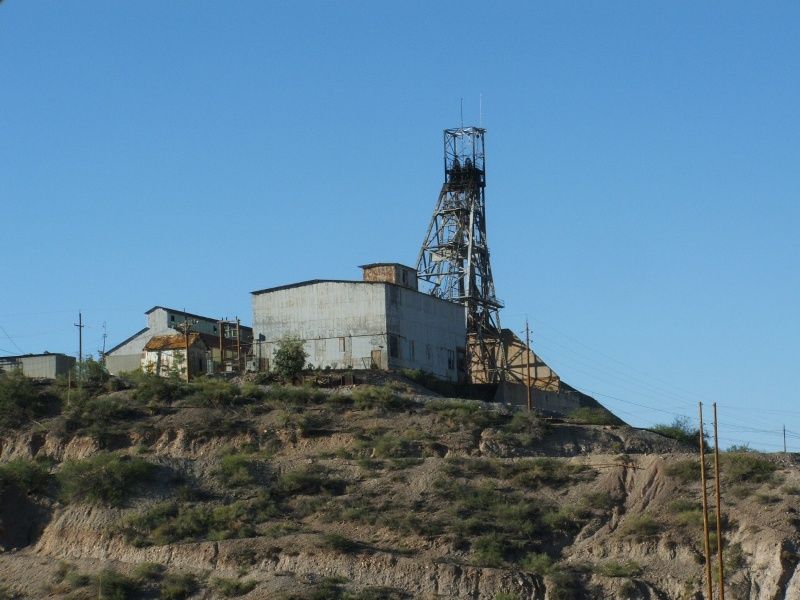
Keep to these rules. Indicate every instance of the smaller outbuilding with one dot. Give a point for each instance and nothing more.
(47, 365)
(165, 355)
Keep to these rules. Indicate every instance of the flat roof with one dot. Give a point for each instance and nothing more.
(386, 264)
(358, 281)
(36, 355)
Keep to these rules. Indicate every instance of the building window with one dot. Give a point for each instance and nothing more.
(394, 347)
(172, 318)
(393, 298)
(451, 360)
(428, 353)
(342, 344)
(412, 349)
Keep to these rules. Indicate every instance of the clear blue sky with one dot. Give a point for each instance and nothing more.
(642, 195)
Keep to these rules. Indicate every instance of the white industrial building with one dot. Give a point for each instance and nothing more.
(381, 322)
(129, 354)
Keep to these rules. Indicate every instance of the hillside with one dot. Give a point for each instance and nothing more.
(147, 488)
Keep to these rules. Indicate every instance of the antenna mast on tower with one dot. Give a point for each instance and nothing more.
(454, 263)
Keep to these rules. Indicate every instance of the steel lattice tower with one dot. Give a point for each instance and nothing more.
(454, 263)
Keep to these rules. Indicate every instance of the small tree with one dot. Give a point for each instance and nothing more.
(289, 358)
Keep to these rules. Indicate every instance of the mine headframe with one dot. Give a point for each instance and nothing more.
(453, 261)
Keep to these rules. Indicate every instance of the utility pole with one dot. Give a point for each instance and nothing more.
(221, 346)
(103, 352)
(719, 507)
(80, 327)
(528, 361)
(784, 439)
(238, 347)
(186, 328)
(705, 506)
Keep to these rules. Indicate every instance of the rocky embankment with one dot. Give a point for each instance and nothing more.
(372, 492)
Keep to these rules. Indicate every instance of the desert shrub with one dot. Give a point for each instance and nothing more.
(170, 522)
(19, 400)
(686, 471)
(641, 526)
(564, 585)
(592, 416)
(599, 501)
(733, 557)
(236, 470)
(566, 519)
(681, 430)
(465, 413)
(392, 446)
(384, 399)
(251, 391)
(178, 586)
(489, 550)
(746, 468)
(538, 563)
(100, 417)
(105, 478)
(211, 391)
(112, 585)
(93, 373)
(151, 388)
(294, 396)
(28, 476)
(340, 543)
(430, 381)
(616, 569)
(149, 571)
(311, 479)
(506, 596)
(231, 588)
(535, 472)
(289, 358)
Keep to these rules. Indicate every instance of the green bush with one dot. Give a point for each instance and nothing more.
(148, 571)
(640, 526)
(151, 388)
(105, 478)
(289, 358)
(208, 391)
(384, 399)
(28, 476)
(681, 430)
(340, 543)
(686, 471)
(171, 522)
(592, 416)
(112, 585)
(100, 417)
(19, 400)
(466, 413)
(746, 468)
(231, 588)
(236, 470)
(616, 569)
(311, 479)
(538, 563)
(490, 550)
(178, 587)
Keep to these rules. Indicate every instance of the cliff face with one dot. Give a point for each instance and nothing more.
(385, 493)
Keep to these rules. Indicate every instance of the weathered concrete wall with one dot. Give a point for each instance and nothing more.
(49, 366)
(560, 403)
(348, 325)
(429, 332)
(117, 364)
(343, 323)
